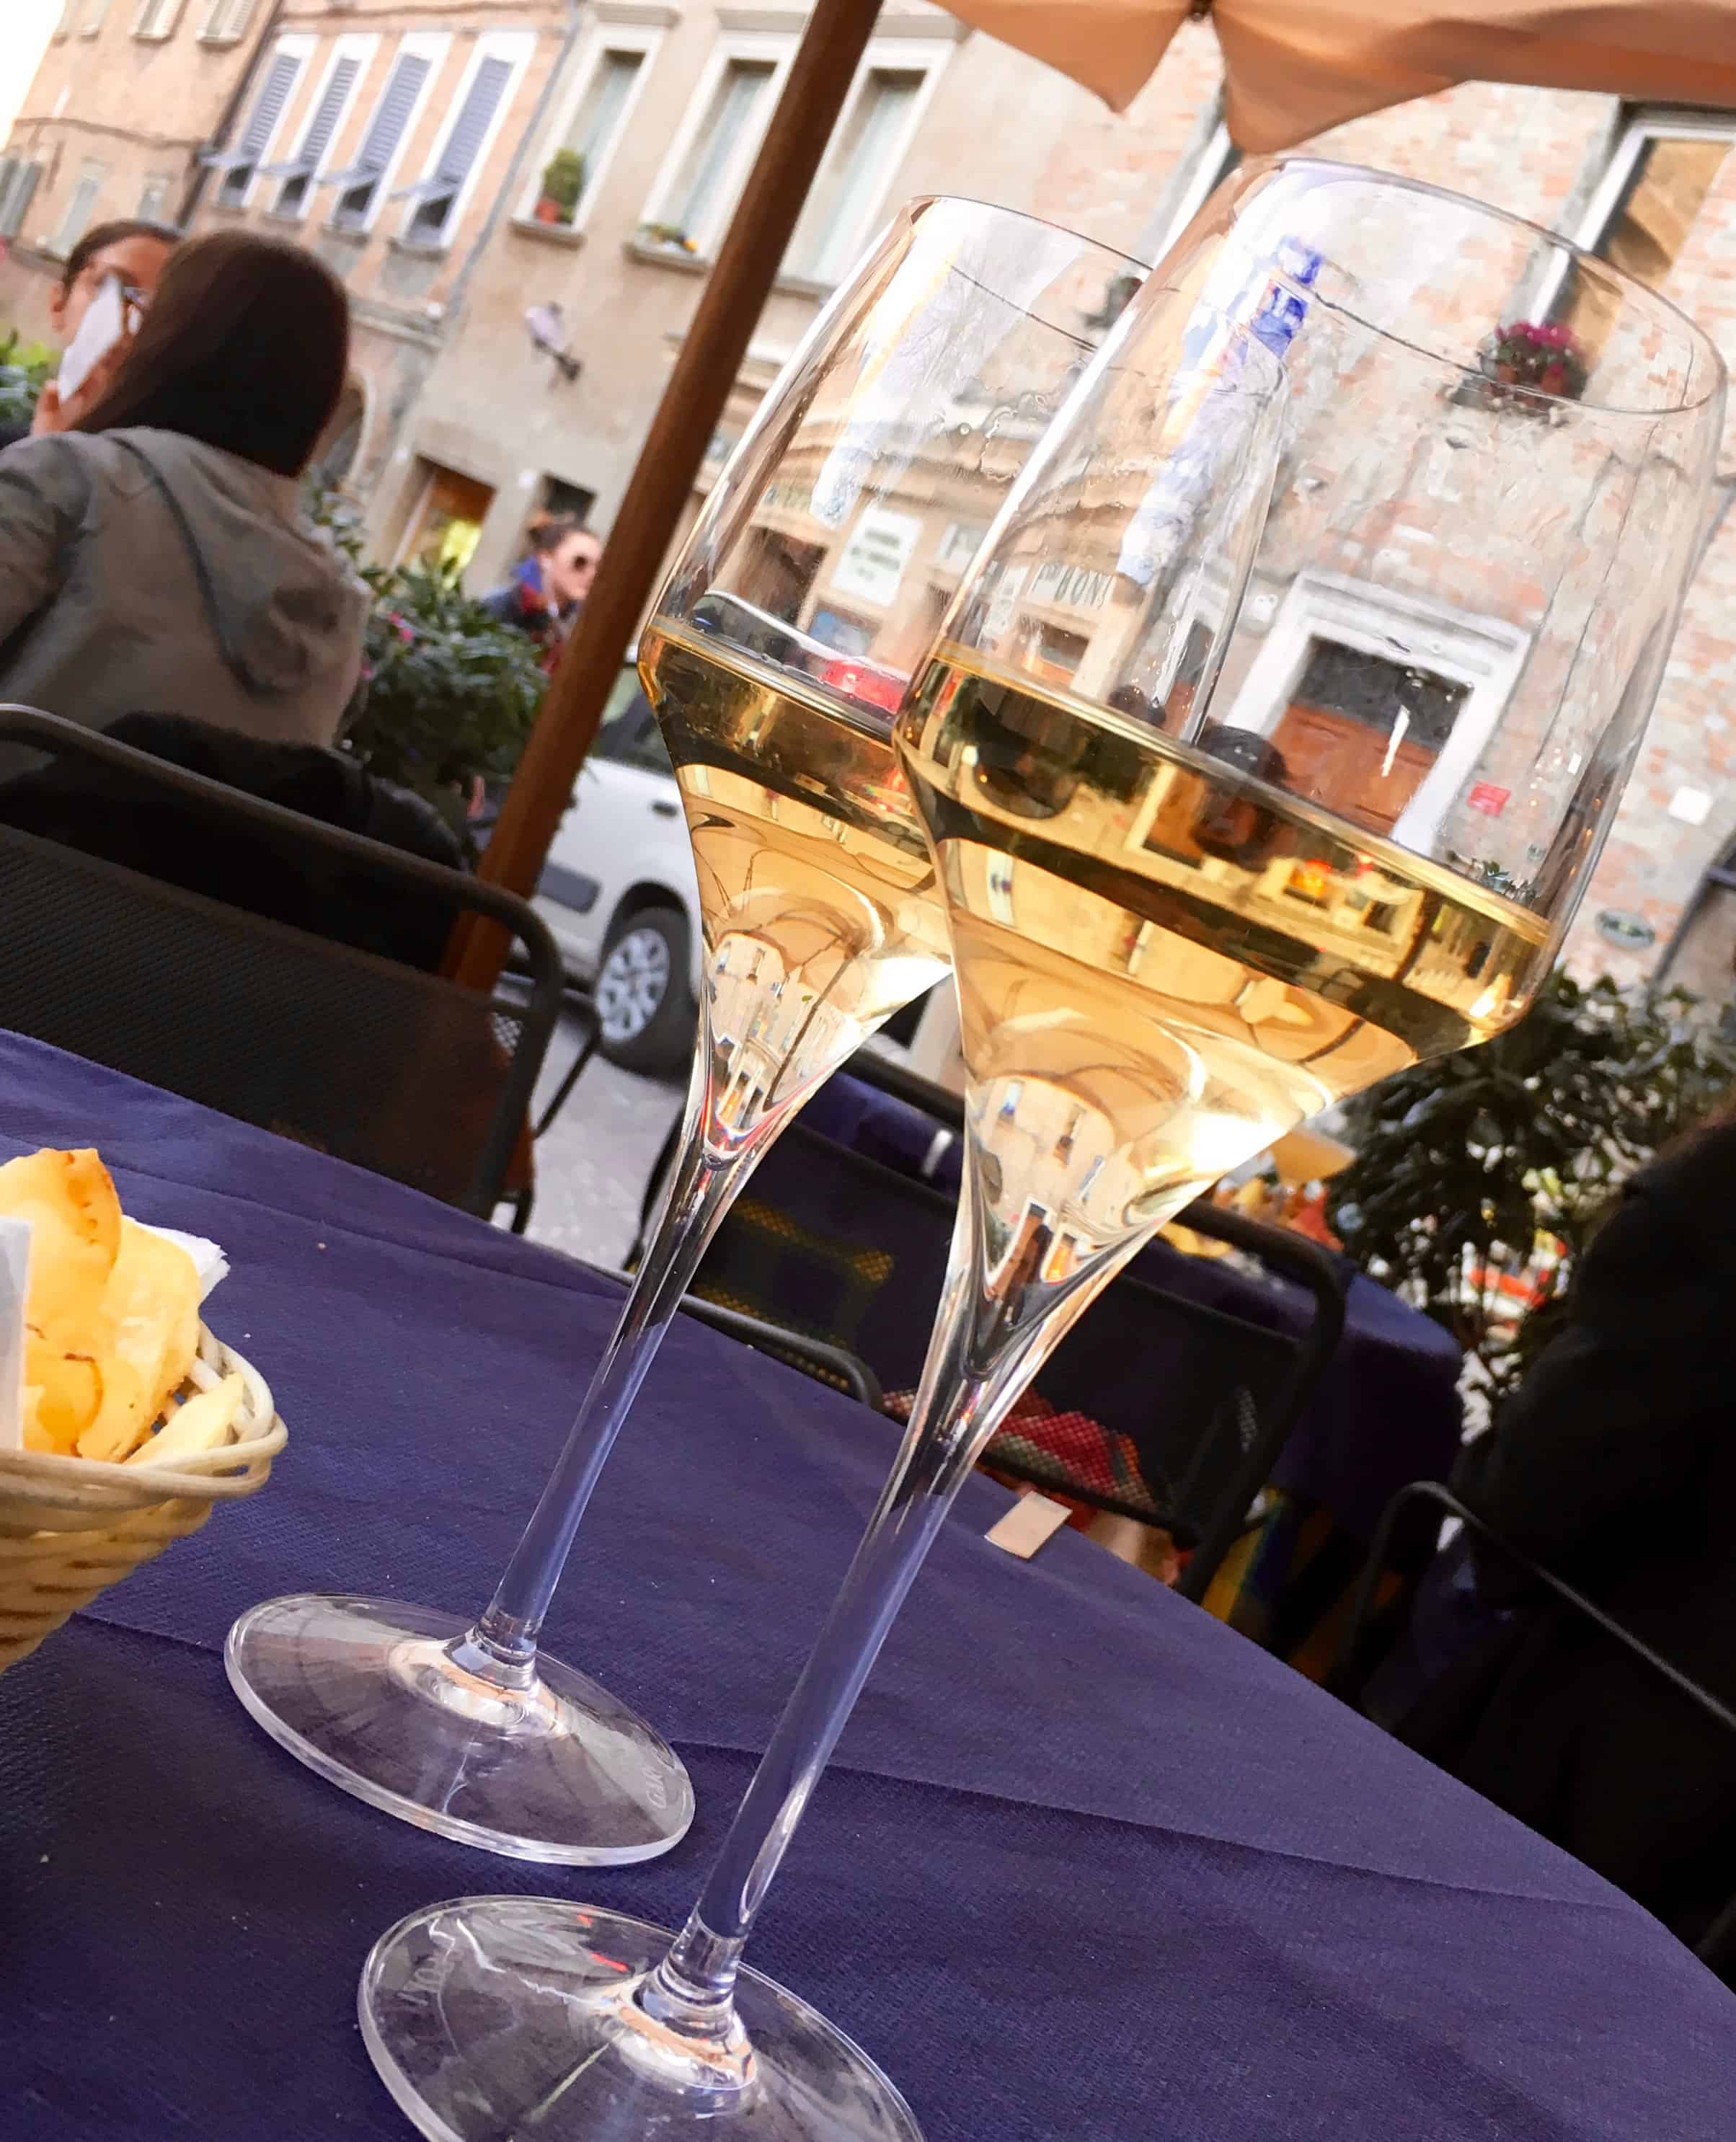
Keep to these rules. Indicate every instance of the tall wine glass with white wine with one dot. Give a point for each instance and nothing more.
(775, 659)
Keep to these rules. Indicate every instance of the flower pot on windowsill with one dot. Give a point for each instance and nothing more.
(1529, 367)
(549, 211)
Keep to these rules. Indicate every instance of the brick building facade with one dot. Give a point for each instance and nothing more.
(514, 327)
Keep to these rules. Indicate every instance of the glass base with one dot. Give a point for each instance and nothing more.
(368, 1693)
(515, 2016)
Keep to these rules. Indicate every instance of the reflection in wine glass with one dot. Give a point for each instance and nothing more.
(626, 2034)
(775, 660)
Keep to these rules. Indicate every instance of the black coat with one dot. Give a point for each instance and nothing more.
(1615, 1467)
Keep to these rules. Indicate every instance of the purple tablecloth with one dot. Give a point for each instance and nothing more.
(1087, 1866)
(1386, 1412)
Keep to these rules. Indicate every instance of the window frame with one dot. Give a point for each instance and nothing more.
(93, 17)
(430, 45)
(299, 48)
(150, 35)
(778, 46)
(60, 245)
(517, 48)
(219, 13)
(361, 46)
(924, 55)
(605, 37)
(1216, 158)
(1485, 653)
(154, 180)
(1642, 124)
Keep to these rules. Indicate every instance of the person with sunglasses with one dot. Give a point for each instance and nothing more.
(136, 252)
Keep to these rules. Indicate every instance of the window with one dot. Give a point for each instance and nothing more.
(91, 21)
(693, 198)
(350, 57)
(405, 85)
(239, 164)
(154, 198)
(608, 87)
(1207, 172)
(865, 151)
(68, 15)
(18, 180)
(157, 18)
(438, 194)
(81, 207)
(226, 20)
(1663, 165)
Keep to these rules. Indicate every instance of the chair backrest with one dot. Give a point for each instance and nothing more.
(378, 1062)
(1404, 1545)
(833, 1244)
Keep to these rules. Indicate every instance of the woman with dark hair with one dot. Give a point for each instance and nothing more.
(1614, 1466)
(154, 558)
(134, 252)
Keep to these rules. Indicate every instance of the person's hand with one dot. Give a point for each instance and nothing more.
(52, 414)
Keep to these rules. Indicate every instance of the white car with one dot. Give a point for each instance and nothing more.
(620, 894)
(619, 891)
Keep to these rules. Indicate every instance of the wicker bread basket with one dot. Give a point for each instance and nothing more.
(71, 1526)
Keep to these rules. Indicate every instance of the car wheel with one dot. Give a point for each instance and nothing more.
(644, 996)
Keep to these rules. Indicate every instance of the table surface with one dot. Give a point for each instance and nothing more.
(1088, 1864)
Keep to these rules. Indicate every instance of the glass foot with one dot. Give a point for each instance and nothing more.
(370, 1694)
(515, 2016)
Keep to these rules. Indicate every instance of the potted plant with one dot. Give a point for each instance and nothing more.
(669, 237)
(447, 693)
(25, 369)
(1479, 1178)
(1543, 357)
(563, 182)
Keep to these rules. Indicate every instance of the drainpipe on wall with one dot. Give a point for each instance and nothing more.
(231, 111)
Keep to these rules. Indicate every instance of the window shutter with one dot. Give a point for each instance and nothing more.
(464, 144)
(270, 109)
(386, 129)
(317, 139)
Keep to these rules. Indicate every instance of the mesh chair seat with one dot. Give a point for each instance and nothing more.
(376, 1062)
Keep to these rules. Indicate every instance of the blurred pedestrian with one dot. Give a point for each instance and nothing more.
(564, 556)
(134, 252)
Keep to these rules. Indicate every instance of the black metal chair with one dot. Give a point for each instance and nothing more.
(261, 1015)
(1403, 1547)
(835, 1249)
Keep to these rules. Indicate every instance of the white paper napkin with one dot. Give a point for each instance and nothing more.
(14, 1280)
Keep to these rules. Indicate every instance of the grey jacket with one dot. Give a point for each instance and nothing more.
(145, 572)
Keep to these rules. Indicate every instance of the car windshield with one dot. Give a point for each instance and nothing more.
(629, 735)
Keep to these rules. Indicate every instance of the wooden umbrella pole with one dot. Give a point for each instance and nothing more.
(669, 462)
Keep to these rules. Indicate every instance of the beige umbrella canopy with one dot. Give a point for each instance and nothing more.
(1294, 68)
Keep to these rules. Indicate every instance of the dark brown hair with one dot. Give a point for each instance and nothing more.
(550, 529)
(245, 346)
(102, 235)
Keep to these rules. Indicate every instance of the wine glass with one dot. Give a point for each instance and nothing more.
(775, 659)
(505, 2016)
(1188, 905)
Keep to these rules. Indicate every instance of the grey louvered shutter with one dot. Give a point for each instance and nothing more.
(270, 109)
(437, 194)
(317, 139)
(386, 129)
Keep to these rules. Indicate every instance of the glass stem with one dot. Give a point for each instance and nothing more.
(703, 1181)
(990, 1339)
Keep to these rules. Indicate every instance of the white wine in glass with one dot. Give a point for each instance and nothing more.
(817, 888)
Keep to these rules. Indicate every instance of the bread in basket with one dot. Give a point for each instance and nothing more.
(70, 1527)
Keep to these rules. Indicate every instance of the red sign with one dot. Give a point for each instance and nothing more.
(1488, 799)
